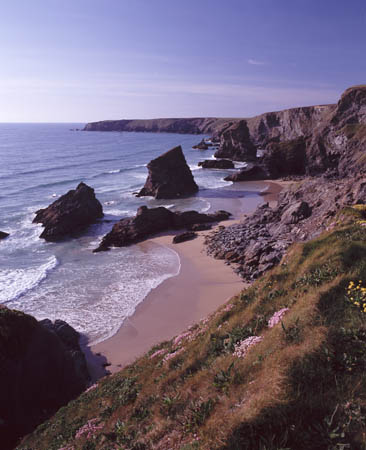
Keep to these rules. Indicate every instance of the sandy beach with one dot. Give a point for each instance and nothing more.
(202, 285)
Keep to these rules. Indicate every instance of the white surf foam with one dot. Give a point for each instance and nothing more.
(16, 282)
(97, 296)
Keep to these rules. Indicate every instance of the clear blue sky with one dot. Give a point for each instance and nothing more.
(86, 60)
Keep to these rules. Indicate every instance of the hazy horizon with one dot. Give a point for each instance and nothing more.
(83, 61)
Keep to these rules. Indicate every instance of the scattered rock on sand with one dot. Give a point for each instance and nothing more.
(186, 236)
(169, 176)
(70, 213)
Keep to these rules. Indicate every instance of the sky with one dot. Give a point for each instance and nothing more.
(89, 60)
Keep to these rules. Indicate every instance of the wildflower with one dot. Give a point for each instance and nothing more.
(277, 317)
(242, 348)
(182, 336)
(173, 355)
(158, 352)
(88, 430)
(92, 387)
(228, 307)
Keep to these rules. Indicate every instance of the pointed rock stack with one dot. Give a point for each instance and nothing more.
(169, 176)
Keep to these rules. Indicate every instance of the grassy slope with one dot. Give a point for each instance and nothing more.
(302, 387)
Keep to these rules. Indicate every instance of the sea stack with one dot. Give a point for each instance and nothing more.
(70, 213)
(169, 176)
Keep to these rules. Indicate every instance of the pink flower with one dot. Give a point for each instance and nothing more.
(277, 317)
(88, 430)
(182, 336)
(158, 352)
(241, 349)
(173, 355)
(92, 387)
(228, 307)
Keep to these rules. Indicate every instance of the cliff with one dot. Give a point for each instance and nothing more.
(41, 369)
(198, 125)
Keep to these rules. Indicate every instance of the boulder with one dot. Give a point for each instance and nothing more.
(38, 373)
(182, 237)
(202, 145)
(236, 144)
(70, 213)
(216, 164)
(296, 212)
(3, 235)
(154, 220)
(169, 176)
(251, 172)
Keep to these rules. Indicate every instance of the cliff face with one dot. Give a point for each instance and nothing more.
(41, 369)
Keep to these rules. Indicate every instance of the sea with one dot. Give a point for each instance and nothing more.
(93, 292)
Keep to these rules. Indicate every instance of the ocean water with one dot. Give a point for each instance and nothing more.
(65, 280)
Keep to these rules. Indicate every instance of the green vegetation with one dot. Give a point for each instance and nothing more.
(301, 386)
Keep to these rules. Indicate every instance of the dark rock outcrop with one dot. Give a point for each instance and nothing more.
(70, 338)
(38, 372)
(236, 143)
(200, 227)
(251, 172)
(155, 220)
(3, 235)
(182, 237)
(169, 176)
(285, 158)
(70, 213)
(216, 164)
(201, 145)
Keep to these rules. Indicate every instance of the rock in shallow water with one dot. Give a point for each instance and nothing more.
(216, 164)
(154, 220)
(169, 176)
(3, 235)
(70, 213)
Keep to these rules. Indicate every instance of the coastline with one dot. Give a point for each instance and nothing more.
(202, 285)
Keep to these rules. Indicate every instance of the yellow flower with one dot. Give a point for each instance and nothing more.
(357, 303)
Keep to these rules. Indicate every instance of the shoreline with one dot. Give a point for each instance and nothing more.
(201, 286)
